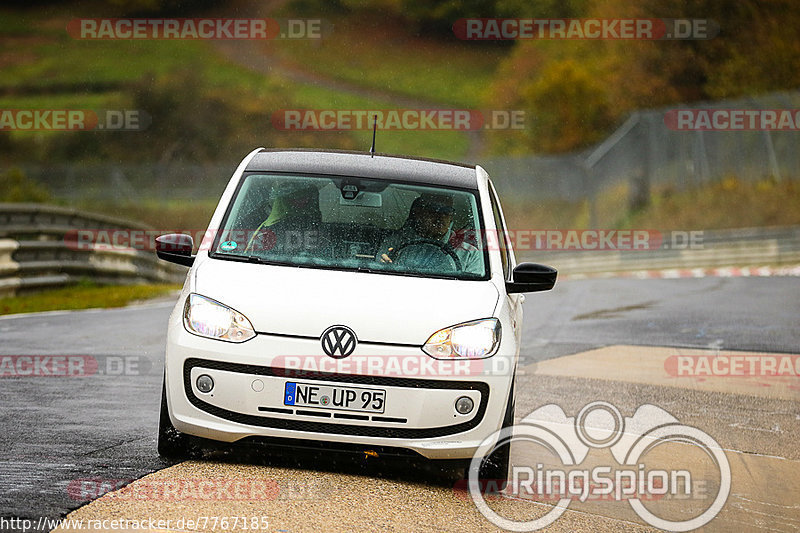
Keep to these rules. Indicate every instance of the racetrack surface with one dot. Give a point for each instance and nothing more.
(577, 340)
(61, 429)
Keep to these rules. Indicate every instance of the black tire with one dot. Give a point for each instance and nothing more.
(172, 444)
(495, 466)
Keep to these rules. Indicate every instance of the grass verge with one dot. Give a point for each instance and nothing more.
(85, 295)
(364, 51)
(730, 203)
(441, 144)
(44, 68)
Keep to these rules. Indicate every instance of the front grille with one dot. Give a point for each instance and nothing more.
(330, 414)
(312, 446)
(331, 427)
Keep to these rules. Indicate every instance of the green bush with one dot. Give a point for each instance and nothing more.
(191, 118)
(16, 187)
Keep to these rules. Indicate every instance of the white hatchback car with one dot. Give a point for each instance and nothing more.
(350, 300)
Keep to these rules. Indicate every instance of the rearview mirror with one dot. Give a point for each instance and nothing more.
(175, 248)
(531, 277)
(363, 199)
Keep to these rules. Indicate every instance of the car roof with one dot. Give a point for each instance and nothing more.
(365, 165)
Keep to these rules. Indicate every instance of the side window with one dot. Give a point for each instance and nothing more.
(501, 234)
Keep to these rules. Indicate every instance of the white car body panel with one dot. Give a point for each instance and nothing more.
(379, 308)
(392, 317)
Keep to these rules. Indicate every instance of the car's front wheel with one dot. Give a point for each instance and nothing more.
(495, 465)
(172, 444)
(493, 470)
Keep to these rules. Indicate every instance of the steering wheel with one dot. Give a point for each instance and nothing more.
(443, 247)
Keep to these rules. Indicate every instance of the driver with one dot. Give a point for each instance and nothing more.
(430, 218)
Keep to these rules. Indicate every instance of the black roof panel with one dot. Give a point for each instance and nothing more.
(361, 164)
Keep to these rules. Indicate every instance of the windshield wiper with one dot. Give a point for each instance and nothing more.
(369, 270)
(247, 258)
(251, 258)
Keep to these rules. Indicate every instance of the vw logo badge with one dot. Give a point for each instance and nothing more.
(338, 341)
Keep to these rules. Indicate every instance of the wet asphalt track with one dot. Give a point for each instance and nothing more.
(58, 431)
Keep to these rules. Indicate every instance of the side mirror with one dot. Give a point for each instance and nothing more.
(531, 277)
(175, 248)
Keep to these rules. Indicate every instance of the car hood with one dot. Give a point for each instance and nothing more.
(377, 307)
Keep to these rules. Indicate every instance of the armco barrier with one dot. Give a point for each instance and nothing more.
(34, 253)
(719, 248)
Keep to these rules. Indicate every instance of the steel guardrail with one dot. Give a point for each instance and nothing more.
(770, 246)
(35, 253)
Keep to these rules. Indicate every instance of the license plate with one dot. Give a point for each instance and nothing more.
(334, 397)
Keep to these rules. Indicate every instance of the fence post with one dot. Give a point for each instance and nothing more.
(701, 161)
(639, 195)
(591, 195)
(771, 158)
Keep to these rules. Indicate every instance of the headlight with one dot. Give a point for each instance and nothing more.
(209, 318)
(470, 340)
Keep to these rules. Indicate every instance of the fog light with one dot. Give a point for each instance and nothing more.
(205, 383)
(464, 405)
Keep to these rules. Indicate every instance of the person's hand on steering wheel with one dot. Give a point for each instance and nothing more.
(385, 256)
(394, 253)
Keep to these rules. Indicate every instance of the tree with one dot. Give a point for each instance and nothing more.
(757, 50)
(567, 107)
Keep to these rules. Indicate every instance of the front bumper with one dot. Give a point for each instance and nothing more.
(248, 396)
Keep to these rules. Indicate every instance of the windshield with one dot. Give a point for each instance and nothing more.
(355, 224)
